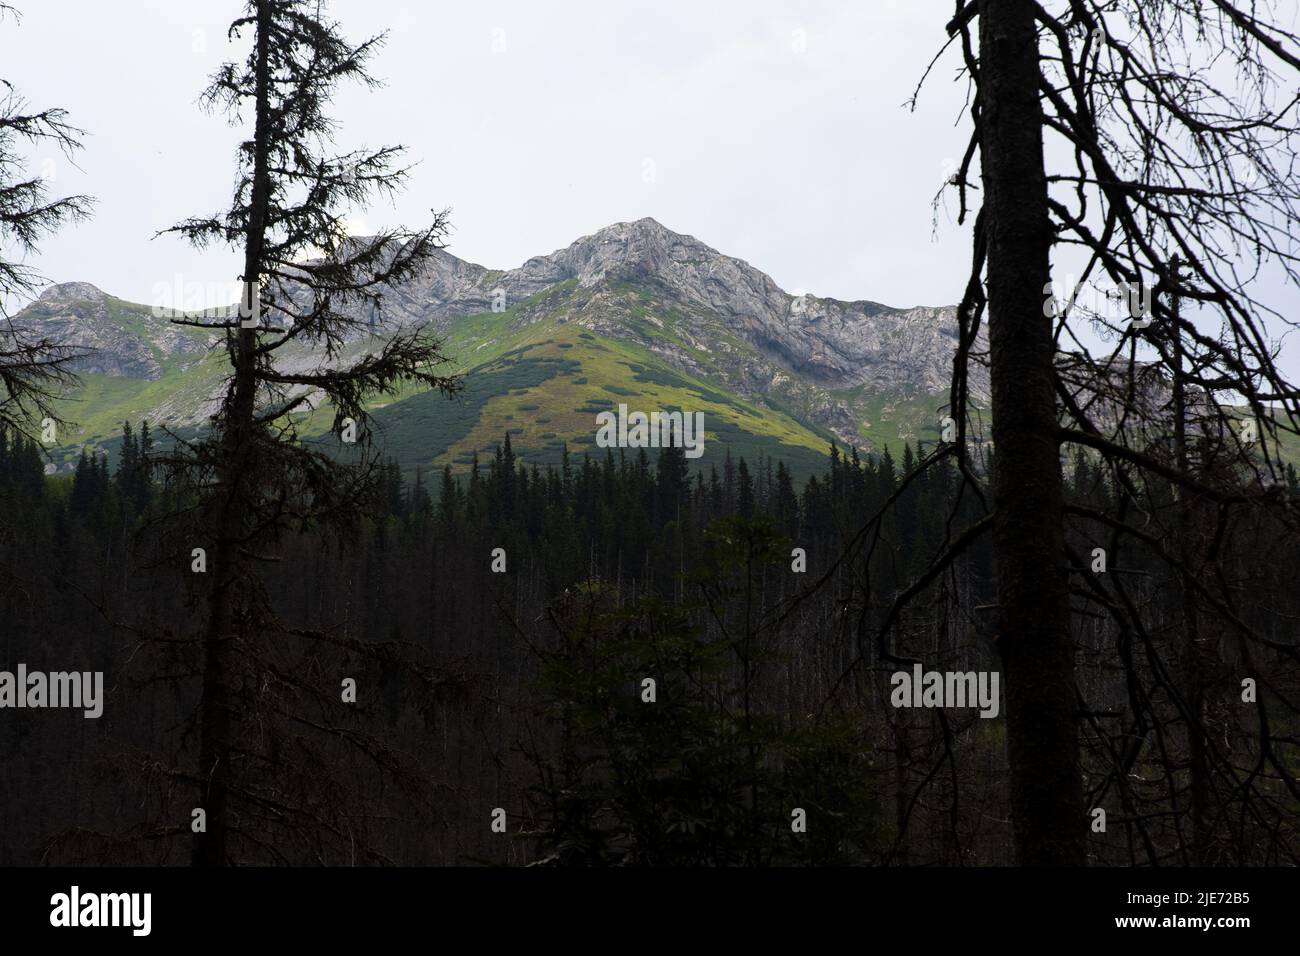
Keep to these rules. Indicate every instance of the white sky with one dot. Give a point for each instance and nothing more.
(774, 131)
(791, 150)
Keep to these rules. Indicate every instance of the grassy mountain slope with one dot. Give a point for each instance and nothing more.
(543, 383)
(633, 314)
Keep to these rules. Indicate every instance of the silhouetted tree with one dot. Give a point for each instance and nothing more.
(257, 480)
(1162, 155)
(34, 370)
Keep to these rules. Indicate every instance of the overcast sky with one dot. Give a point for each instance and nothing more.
(773, 131)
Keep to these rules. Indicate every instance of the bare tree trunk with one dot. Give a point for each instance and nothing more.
(236, 468)
(902, 773)
(1047, 809)
(1188, 554)
(214, 716)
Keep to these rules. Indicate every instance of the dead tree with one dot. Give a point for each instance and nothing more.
(1107, 126)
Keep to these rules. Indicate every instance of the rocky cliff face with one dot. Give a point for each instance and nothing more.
(116, 337)
(832, 343)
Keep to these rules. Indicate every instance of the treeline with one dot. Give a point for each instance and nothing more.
(626, 516)
(500, 630)
(620, 513)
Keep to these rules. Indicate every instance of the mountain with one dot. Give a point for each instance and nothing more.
(634, 313)
(120, 339)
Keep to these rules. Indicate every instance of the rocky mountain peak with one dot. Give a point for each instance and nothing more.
(631, 251)
(67, 293)
(113, 337)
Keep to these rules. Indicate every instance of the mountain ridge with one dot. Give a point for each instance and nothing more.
(833, 367)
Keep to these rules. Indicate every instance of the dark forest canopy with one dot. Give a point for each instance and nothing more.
(522, 690)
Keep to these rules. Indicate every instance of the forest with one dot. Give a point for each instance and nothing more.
(520, 689)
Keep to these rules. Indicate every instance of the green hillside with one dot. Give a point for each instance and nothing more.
(530, 372)
(542, 382)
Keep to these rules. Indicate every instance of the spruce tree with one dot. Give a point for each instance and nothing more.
(34, 369)
(305, 283)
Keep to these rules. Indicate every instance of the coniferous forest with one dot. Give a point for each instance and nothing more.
(512, 678)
